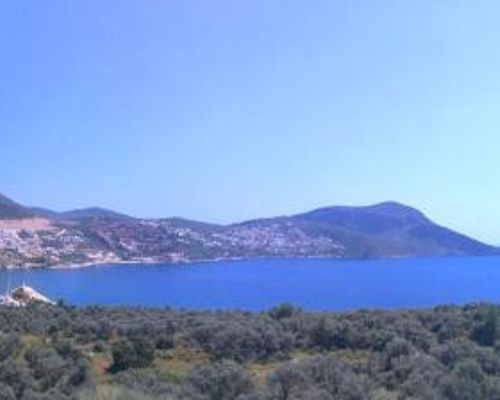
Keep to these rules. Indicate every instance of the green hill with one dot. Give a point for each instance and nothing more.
(9, 209)
(99, 235)
(382, 230)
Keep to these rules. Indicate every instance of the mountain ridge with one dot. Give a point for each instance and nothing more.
(97, 235)
(9, 209)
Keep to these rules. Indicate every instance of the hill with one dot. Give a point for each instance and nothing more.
(91, 213)
(96, 235)
(9, 209)
(383, 230)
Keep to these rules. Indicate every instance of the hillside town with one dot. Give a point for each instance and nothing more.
(112, 241)
(34, 237)
(39, 243)
(44, 243)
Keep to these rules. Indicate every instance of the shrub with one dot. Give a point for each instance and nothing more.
(138, 353)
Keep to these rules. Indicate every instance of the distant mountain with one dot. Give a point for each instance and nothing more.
(78, 215)
(96, 235)
(9, 209)
(44, 212)
(373, 219)
(383, 230)
(91, 213)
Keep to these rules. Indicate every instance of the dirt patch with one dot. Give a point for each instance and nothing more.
(33, 224)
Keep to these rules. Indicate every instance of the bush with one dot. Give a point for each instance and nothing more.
(224, 380)
(138, 353)
(485, 333)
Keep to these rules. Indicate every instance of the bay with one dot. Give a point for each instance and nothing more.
(315, 284)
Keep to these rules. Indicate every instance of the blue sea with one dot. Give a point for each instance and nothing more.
(315, 284)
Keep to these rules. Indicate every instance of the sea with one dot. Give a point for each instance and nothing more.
(254, 285)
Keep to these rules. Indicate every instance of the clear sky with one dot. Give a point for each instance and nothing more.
(224, 110)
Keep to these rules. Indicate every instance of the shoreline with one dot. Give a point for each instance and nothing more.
(146, 262)
(176, 263)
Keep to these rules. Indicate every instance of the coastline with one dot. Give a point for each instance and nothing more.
(149, 262)
(168, 262)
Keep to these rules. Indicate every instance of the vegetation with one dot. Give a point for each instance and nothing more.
(61, 352)
(10, 209)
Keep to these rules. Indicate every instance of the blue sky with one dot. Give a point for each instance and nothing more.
(224, 110)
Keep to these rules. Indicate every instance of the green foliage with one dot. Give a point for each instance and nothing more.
(60, 352)
(12, 210)
(136, 353)
(224, 380)
(485, 332)
(283, 311)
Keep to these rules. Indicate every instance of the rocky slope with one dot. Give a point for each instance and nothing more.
(96, 235)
